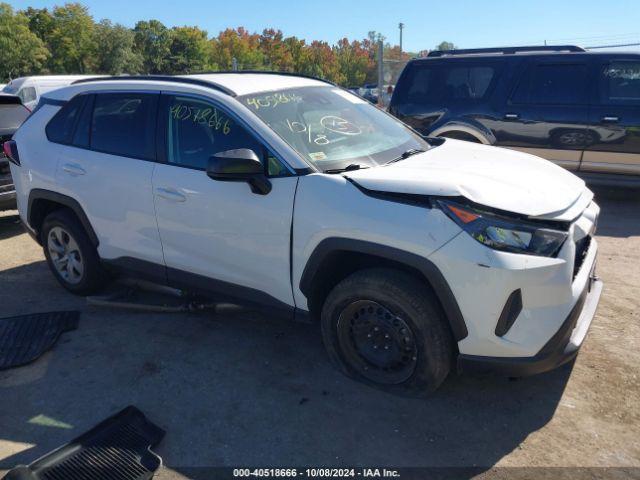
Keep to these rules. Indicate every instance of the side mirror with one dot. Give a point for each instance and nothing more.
(241, 165)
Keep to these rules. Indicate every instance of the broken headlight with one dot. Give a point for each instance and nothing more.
(504, 233)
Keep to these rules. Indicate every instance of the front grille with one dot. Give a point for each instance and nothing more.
(582, 247)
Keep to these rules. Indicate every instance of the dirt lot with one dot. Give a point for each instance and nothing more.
(245, 390)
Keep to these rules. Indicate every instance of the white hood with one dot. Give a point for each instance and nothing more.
(496, 177)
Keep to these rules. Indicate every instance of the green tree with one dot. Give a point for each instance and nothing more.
(40, 22)
(153, 42)
(21, 51)
(353, 61)
(299, 52)
(238, 44)
(116, 54)
(446, 46)
(190, 51)
(72, 41)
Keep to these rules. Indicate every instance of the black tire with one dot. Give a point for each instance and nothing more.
(93, 276)
(405, 299)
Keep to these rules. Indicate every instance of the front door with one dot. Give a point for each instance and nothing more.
(615, 119)
(219, 236)
(547, 113)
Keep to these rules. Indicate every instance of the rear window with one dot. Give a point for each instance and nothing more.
(441, 83)
(553, 84)
(60, 127)
(620, 82)
(124, 124)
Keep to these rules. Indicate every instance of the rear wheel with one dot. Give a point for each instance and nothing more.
(385, 328)
(70, 254)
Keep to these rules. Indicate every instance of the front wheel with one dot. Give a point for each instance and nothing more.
(385, 328)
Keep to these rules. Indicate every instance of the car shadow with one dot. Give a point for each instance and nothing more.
(10, 226)
(237, 389)
(620, 212)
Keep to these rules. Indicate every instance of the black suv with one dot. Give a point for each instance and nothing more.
(578, 109)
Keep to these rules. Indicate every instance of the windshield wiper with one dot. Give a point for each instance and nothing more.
(348, 168)
(407, 154)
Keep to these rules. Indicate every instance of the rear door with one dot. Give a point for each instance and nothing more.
(615, 118)
(548, 110)
(106, 164)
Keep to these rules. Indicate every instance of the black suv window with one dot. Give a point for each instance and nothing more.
(60, 127)
(464, 83)
(197, 130)
(438, 83)
(553, 84)
(124, 124)
(620, 83)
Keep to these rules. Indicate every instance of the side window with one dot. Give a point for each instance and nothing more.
(197, 130)
(420, 83)
(467, 83)
(124, 124)
(27, 94)
(553, 84)
(60, 127)
(620, 83)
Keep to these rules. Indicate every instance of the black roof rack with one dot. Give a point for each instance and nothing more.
(162, 78)
(507, 50)
(188, 78)
(267, 72)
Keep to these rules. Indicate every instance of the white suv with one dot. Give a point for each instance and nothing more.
(418, 256)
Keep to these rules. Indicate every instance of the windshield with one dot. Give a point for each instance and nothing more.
(10, 88)
(332, 128)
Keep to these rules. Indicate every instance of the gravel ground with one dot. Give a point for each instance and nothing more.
(239, 389)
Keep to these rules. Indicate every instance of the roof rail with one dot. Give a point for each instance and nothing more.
(266, 72)
(507, 50)
(188, 78)
(163, 78)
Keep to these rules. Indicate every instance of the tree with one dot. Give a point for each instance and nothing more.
(238, 44)
(116, 53)
(71, 40)
(40, 22)
(21, 51)
(446, 46)
(353, 62)
(153, 42)
(189, 52)
(321, 62)
(276, 55)
(299, 52)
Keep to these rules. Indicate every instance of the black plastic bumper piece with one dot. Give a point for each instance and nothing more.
(556, 352)
(117, 448)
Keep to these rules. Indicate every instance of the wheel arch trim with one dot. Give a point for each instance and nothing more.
(429, 270)
(64, 200)
(483, 136)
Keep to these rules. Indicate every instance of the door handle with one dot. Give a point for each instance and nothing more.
(73, 169)
(170, 194)
(610, 119)
(511, 116)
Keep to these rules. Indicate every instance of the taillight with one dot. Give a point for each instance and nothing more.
(10, 149)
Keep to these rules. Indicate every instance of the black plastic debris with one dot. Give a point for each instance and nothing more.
(119, 448)
(25, 337)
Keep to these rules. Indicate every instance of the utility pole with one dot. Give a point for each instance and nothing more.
(380, 71)
(401, 26)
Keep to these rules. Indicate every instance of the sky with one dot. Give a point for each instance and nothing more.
(466, 23)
